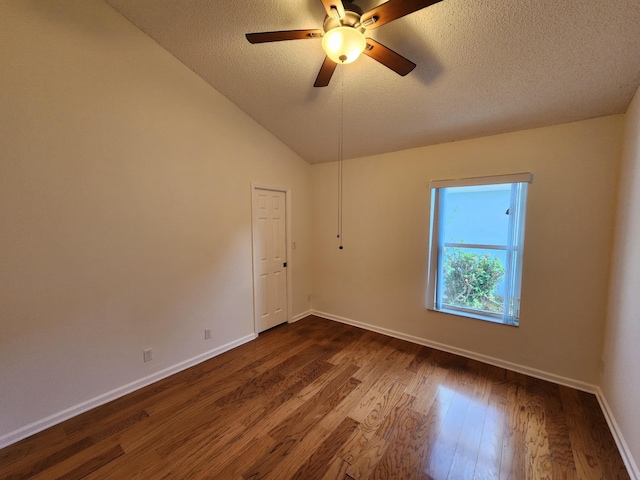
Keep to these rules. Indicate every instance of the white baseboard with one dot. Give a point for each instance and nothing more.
(51, 420)
(300, 316)
(627, 457)
(533, 372)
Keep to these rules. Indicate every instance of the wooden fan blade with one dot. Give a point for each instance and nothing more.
(283, 35)
(337, 4)
(394, 9)
(388, 57)
(325, 73)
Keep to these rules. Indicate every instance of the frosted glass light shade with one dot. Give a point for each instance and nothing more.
(343, 44)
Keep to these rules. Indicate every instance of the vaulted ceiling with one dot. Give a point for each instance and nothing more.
(483, 67)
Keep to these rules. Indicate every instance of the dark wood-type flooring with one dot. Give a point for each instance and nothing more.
(321, 400)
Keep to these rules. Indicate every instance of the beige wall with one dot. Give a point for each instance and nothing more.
(621, 379)
(380, 277)
(125, 208)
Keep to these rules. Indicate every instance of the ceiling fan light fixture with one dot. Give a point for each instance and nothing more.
(343, 44)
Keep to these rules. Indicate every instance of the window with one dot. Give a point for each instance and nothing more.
(476, 240)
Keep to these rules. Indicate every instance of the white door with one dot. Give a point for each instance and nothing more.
(270, 258)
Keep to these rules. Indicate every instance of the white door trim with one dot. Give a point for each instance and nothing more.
(287, 199)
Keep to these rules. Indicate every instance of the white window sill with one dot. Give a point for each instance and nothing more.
(460, 313)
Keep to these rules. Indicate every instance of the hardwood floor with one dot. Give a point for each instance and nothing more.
(321, 400)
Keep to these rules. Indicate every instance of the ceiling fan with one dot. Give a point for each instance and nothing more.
(343, 37)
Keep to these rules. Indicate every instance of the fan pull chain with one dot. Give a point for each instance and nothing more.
(340, 157)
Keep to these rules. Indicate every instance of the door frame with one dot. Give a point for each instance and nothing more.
(287, 207)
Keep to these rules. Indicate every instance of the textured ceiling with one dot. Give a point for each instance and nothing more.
(484, 67)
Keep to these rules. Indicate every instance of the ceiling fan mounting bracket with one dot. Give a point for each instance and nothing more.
(351, 19)
(352, 7)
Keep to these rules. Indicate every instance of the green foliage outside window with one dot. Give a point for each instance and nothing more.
(470, 280)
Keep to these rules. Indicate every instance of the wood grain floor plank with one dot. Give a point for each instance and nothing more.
(202, 414)
(490, 449)
(315, 466)
(268, 462)
(131, 465)
(285, 391)
(167, 393)
(383, 436)
(433, 425)
(446, 443)
(369, 399)
(482, 381)
(393, 419)
(262, 426)
(401, 459)
(196, 455)
(332, 419)
(365, 463)
(421, 370)
(245, 453)
(465, 457)
(214, 424)
(33, 446)
(304, 448)
(317, 436)
(513, 462)
(336, 469)
(377, 413)
(380, 372)
(361, 351)
(427, 389)
(588, 464)
(86, 461)
(251, 388)
(561, 454)
(211, 387)
(300, 419)
(318, 399)
(538, 463)
(602, 438)
(296, 428)
(27, 469)
(421, 359)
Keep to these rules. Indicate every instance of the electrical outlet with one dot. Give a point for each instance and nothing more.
(147, 355)
(293, 245)
(207, 334)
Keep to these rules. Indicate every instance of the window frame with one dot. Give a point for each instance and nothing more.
(436, 254)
